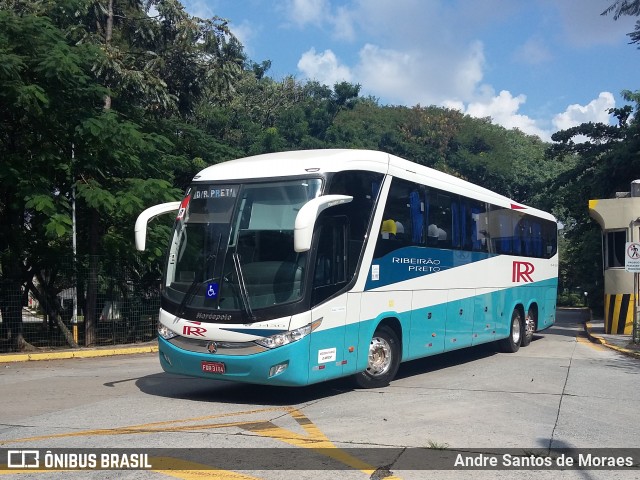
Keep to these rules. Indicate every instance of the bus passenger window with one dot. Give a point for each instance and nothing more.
(477, 229)
(403, 219)
(501, 230)
(440, 222)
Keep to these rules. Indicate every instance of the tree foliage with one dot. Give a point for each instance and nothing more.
(119, 103)
(46, 92)
(626, 7)
(600, 160)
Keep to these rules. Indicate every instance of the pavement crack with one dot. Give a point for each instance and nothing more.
(562, 395)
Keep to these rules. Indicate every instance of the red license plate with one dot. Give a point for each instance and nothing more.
(212, 367)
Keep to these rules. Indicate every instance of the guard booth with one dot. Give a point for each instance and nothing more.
(619, 219)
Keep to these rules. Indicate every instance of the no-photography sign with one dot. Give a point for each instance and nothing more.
(632, 257)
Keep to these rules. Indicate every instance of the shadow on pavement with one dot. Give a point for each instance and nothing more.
(569, 323)
(203, 390)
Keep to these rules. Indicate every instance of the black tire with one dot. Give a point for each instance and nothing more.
(530, 323)
(383, 359)
(511, 344)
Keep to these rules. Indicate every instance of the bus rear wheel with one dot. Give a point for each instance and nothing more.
(511, 344)
(383, 359)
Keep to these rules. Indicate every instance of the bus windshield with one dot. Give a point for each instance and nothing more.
(232, 246)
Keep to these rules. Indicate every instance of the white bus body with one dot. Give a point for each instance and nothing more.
(297, 267)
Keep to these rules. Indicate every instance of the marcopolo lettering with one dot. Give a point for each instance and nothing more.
(212, 317)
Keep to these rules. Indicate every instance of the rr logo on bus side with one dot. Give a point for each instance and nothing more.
(522, 272)
(195, 331)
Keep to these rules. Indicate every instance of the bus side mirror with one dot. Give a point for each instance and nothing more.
(141, 223)
(306, 219)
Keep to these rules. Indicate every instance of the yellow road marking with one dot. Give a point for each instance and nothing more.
(586, 341)
(186, 470)
(149, 427)
(313, 439)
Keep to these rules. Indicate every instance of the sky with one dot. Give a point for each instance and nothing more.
(537, 65)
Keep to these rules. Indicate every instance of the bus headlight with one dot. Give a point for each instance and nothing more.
(280, 339)
(165, 332)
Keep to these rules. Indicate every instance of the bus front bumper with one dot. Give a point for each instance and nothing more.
(284, 366)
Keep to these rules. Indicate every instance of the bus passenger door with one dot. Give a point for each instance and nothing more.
(460, 308)
(327, 348)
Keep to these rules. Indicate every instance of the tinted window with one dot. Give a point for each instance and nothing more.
(614, 246)
(403, 220)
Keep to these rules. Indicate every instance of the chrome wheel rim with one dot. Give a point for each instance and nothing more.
(379, 357)
(515, 328)
(530, 325)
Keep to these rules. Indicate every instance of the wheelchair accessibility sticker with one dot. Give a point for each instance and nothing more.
(212, 290)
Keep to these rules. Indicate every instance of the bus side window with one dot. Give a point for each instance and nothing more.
(363, 187)
(403, 218)
(440, 219)
(520, 234)
(417, 214)
(550, 238)
(501, 230)
(476, 231)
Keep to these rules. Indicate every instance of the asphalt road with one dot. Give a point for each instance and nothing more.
(561, 392)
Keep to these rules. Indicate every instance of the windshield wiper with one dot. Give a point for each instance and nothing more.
(244, 294)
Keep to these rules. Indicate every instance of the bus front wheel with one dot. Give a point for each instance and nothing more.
(383, 359)
(511, 344)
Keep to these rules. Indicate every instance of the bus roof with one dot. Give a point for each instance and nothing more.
(304, 162)
(295, 163)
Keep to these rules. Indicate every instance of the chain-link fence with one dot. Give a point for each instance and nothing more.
(97, 302)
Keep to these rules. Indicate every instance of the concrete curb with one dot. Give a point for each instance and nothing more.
(598, 339)
(81, 353)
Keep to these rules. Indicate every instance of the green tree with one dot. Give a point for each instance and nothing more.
(506, 161)
(157, 69)
(434, 128)
(626, 7)
(46, 91)
(93, 92)
(604, 163)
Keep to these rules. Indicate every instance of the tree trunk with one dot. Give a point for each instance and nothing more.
(68, 336)
(52, 308)
(107, 40)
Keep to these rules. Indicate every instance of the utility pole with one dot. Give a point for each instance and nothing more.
(74, 318)
(636, 294)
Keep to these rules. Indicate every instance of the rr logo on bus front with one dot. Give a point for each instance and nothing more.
(195, 331)
(522, 272)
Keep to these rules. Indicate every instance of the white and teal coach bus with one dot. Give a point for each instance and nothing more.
(298, 267)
